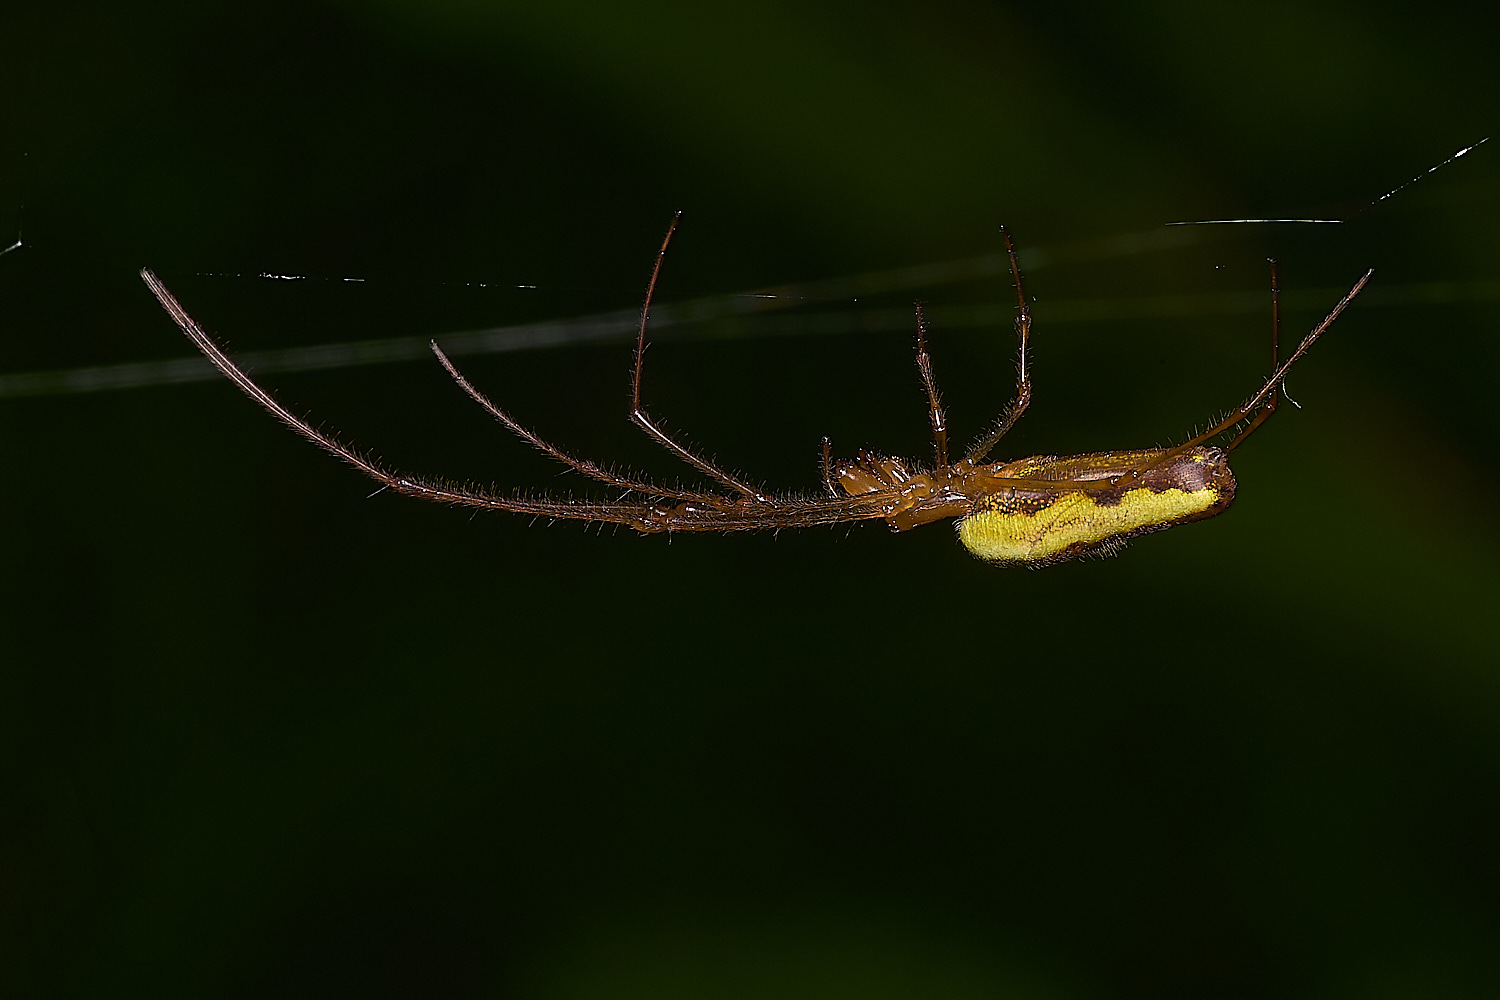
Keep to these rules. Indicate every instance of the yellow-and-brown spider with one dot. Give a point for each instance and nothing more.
(1033, 511)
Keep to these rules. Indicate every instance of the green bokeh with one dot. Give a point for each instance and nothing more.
(262, 736)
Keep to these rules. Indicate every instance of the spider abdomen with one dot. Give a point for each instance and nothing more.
(1099, 502)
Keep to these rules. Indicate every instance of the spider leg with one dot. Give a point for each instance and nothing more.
(1267, 391)
(639, 416)
(690, 513)
(1270, 406)
(829, 482)
(739, 514)
(1012, 413)
(583, 465)
(637, 516)
(934, 401)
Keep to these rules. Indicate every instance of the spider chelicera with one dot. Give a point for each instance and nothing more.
(1033, 511)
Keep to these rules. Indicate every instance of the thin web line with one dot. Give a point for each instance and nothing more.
(727, 321)
(730, 313)
(1324, 222)
(1429, 170)
(1229, 222)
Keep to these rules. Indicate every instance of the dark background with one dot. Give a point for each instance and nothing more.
(261, 735)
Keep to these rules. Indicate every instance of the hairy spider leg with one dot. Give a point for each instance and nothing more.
(1271, 404)
(1267, 391)
(614, 513)
(830, 482)
(1012, 413)
(583, 465)
(934, 401)
(638, 414)
(710, 513)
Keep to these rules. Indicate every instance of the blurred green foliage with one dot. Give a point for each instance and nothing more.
(262, 736)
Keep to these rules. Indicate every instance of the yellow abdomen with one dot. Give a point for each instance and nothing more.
(1039, 526)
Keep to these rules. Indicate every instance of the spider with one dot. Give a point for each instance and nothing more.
(1035, 511)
